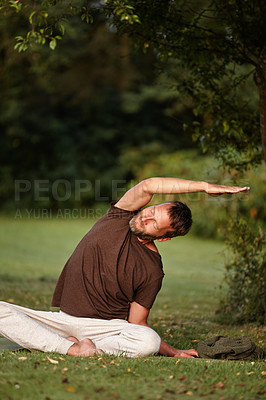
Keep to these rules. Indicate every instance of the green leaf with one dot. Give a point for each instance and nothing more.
(52, 44)
(31, 16)
(61, 29)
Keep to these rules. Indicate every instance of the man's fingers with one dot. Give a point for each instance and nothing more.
(184, 355)
(217, 190)
(236, 189)
(192, 353)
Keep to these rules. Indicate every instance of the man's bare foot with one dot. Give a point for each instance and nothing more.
(82, 348)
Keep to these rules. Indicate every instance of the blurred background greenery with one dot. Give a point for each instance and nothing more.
(99, 112)
(77, 113)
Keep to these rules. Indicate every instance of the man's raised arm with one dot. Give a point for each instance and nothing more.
(142, 193)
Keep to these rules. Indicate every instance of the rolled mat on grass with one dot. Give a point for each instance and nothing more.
(230, 348)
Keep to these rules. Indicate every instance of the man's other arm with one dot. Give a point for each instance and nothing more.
(139, 315)
(141, 194)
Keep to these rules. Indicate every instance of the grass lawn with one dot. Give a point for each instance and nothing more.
(32, 254)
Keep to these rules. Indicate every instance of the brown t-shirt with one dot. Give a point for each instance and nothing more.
(108, 270)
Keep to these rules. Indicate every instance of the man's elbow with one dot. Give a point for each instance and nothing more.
(139, 322)
(148, 185)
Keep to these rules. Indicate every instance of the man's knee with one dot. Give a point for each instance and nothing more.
(148, 342)
(151, 343)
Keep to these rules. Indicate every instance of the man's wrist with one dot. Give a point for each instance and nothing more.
(204, 186)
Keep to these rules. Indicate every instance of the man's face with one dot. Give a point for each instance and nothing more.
(152, 222)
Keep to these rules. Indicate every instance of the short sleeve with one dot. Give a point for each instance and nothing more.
(146, 293)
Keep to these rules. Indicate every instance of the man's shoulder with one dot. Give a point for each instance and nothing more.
(117, 212)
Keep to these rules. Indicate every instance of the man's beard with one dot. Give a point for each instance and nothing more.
(139, 232)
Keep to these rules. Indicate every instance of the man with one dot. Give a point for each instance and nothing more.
(108, 285)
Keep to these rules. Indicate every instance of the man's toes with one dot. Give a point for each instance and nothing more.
(73, 339)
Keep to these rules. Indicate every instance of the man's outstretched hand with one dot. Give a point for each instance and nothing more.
(217, 190)
(186, 353)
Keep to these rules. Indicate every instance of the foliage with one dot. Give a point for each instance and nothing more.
(63, 116)
(217, 45)
(246, 273)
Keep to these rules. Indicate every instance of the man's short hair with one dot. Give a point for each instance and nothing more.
(180, 219)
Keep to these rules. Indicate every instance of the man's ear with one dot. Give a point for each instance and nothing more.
(164, 239)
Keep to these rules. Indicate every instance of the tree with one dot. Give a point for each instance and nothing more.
(61, 112)
(217, 45)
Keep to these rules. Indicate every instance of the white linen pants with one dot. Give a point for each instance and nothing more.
(47, 331)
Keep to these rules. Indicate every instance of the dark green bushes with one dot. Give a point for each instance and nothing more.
(245, 275)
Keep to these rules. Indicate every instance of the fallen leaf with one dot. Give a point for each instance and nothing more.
(22, 358)
(238, 373)
(65, 380)
(36, 364)
(263, 392)
(64, 370)
(61, 358)
(70, 389)
(52, 361)
(189, 393)
(219, 385)
(249, 373)
(263, 373)
(100, 389)
(169, 391)
(182, 378)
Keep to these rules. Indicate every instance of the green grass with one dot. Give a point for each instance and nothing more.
(32, 254)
